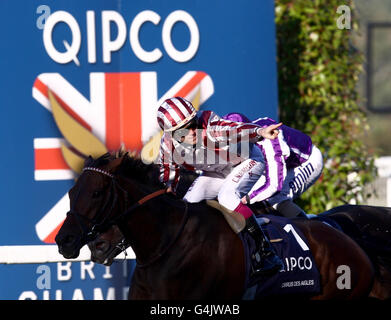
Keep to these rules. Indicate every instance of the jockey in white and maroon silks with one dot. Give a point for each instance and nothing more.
(292, 165)
(226, 154)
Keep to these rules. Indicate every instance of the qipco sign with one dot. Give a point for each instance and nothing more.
(98, 70)
(109, 45)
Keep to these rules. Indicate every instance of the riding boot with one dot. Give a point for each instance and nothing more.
(265, 259)
(289, 209)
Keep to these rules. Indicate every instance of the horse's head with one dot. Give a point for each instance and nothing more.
(95, 198)
(107, 245)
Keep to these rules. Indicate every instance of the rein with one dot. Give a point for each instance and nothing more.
(104, 225)
(138, 204)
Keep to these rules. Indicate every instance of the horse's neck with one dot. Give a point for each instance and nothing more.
(151, 227)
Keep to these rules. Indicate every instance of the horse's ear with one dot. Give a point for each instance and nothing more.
(135, 154)
(88, 161)
(121, 151)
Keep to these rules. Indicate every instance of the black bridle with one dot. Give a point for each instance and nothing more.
(92, 227)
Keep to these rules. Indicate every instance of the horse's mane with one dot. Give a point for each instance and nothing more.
(131, 166)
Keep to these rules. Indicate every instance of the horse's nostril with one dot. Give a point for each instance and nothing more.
(66, 240)
(69, 239)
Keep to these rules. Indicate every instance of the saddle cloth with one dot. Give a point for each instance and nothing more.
(300, 275)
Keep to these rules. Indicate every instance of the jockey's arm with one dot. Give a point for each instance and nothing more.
(230, 130)
(169, 170)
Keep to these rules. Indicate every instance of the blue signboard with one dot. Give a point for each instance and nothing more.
(108, 65)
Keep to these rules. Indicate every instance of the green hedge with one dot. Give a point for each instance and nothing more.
(318, 69)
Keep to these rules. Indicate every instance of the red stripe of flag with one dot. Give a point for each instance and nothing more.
(131, 110)
(123, 110)
(52, 235)
(197, 78)
(49, 159)
(113, 111)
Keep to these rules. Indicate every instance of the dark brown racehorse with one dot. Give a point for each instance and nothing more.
(188, 251)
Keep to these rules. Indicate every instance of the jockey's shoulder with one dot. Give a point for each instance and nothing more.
(205, 117)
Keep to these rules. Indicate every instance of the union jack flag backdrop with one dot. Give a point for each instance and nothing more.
(101, 69)
(121, 111)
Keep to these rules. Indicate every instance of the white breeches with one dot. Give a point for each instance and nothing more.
(229, 190)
